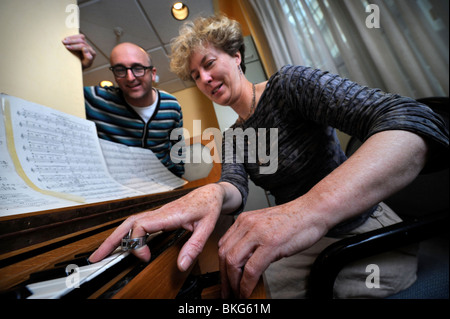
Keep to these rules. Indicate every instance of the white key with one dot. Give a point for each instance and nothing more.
(56, 288)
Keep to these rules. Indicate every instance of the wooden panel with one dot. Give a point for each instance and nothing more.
(28, 230)
(18, 272)
(161, 279)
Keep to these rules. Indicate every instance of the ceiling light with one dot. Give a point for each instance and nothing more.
(106, 83)
(180, 11)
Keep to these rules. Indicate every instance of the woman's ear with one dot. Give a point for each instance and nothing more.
(238, 58)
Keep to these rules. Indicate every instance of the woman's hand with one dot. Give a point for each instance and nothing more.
(258, 238)
(197, 212)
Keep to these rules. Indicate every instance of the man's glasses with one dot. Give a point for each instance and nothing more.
(138, 70)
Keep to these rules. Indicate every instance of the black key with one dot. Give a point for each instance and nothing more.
(59, 270)
(80, 262)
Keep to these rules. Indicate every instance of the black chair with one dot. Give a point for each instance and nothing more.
(424, 208)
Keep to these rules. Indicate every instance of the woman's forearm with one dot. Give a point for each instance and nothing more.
(384, 164)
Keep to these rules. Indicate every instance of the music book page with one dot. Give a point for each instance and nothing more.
(138, 168)
(16, 197)
(59, 155)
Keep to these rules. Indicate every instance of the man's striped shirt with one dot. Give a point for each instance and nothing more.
(118, 122)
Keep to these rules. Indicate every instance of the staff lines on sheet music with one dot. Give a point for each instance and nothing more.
(125, 156)
(61, 182)
(12, 200)
(147, 160)
(81, 177)
(106, 192)
(55, 169)
(7, 187)
(51, 159)
(54, 120)
(72, 185)
(79, 140)
(92, 191)
(118, 167)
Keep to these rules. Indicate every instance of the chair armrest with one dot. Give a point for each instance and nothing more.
(337, 255)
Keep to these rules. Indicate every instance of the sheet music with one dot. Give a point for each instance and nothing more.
(61, 153)
(16, 197)
(50, 159)
(138, 168)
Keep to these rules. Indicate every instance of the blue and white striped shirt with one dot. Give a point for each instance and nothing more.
(118, 122)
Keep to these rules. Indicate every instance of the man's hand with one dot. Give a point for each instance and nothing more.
(79, 46)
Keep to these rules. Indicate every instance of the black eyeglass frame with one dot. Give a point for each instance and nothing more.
(112, 68)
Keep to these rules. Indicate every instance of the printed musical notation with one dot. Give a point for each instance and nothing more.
(138, 168)
(61, 155)
(16, 197)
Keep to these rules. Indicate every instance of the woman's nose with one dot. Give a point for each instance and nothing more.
(205, 77)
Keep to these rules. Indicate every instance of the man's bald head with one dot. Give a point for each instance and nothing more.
(126, 49)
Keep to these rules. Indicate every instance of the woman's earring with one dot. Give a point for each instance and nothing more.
(240, 70)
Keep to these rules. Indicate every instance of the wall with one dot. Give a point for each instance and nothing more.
(196, 106)
(34, 64)
(232, 9)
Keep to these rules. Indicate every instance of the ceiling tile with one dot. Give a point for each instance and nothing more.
(100, 59)
(98, 21)
(161, 63)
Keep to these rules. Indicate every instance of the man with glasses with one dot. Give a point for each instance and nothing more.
(135, 113)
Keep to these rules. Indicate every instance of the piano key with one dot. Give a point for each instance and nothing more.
(56, 288)
(80, 261)
(21, 292)
(48, 274)
(59, 270)
(85, 255)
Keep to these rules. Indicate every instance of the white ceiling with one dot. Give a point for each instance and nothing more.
(147, 23)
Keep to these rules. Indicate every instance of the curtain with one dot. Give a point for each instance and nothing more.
(399, 46)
